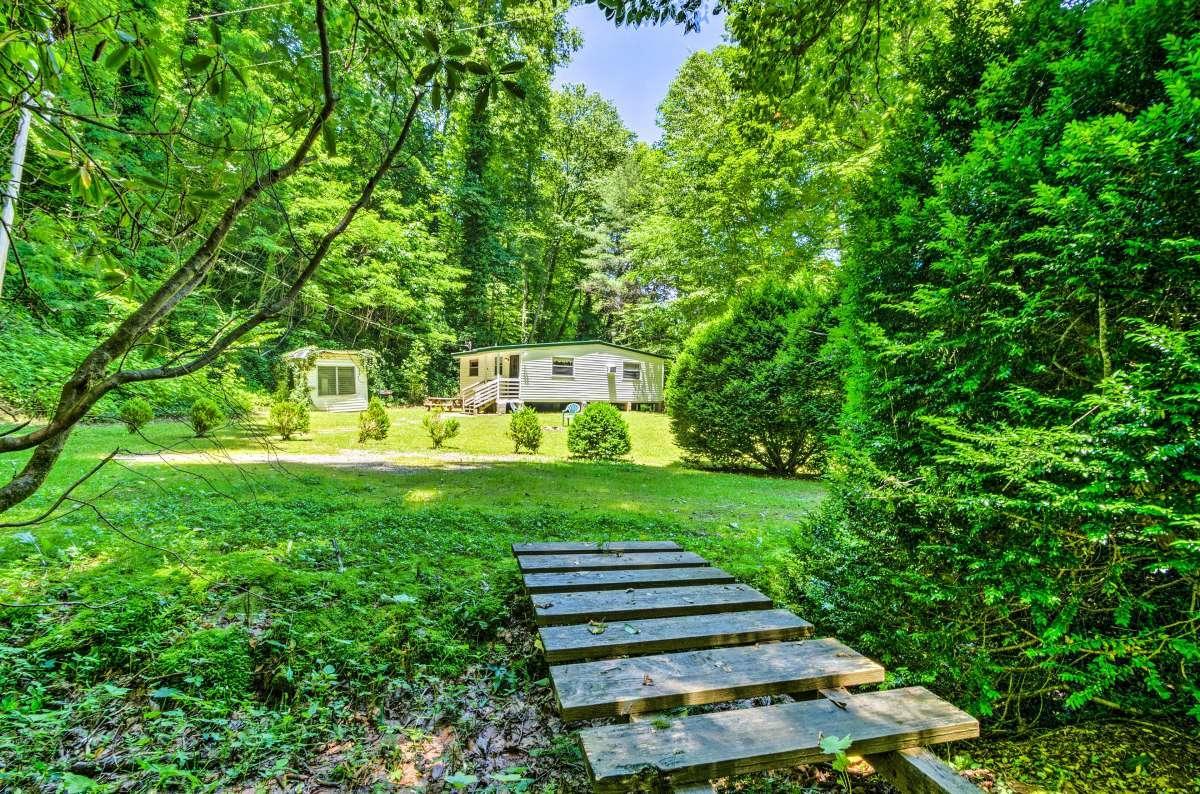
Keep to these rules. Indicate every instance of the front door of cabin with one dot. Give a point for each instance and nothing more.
(514, 366)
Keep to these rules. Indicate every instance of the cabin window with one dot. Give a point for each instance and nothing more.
(562, 366)
(336, 381)
(473, 367)
(631, 370)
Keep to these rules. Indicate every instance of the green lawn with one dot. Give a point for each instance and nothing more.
(323, 608)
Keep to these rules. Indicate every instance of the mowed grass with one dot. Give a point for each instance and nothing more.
(260, 599)
(481, 434)
(480, 470)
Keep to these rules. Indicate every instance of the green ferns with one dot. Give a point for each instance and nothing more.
(1021, 464)
(215, 663)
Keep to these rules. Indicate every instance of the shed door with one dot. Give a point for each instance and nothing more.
(514, 366)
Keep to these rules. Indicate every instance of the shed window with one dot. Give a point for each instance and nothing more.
(335, 381)
(631, 370)
(563, 366)
(473, 367)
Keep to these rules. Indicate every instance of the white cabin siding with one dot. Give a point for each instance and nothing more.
(598, 374)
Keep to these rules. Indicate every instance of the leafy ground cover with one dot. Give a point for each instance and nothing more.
(349, 624)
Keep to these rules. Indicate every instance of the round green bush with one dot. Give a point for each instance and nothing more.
(756, 387)
(205, 416)
(525, 430)
(136, 413)
(373, 423)
(288, 417)
(598, 433)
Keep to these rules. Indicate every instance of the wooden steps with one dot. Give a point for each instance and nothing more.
(552, 609)
(583, 581)
(628, 547)
(614, 687)
(708, 746)
(608, 561)
(632, 629)
(918, 771)
(655, 635)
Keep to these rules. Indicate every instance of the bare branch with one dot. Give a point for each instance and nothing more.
(269, 310)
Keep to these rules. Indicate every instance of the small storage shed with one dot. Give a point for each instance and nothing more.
(553, 373)
(336, 379)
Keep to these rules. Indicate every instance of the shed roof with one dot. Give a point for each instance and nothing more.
(301, 353)
(529, 345)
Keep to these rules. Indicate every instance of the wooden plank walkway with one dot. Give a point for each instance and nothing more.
(600, 548)
(707, 746)
(631, 637)
(585, 581)
(557, 563)
(553, 609)
(613, 687)
(633, 628)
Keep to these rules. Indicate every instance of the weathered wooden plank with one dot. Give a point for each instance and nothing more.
(581, 581)
(687, 788)
(613, 687)
(576, 642)
(710, 746)
(915, 770)
(555, 609)
(625, 547)
(559, 563)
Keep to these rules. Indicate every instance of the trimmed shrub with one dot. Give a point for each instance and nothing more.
(598, 433)
(439, 428)
(136, 413)
(288, 417)
(525, 430)
(205, 416)
(756, 387)
(373, 423)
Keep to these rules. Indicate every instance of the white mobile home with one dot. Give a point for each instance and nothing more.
(336, 379)
(553, 373)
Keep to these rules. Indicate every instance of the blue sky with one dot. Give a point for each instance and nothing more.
(632, 67)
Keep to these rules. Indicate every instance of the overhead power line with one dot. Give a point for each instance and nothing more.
(495, 23)
(216, 14)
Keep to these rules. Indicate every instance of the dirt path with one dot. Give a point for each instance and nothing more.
(365, 460)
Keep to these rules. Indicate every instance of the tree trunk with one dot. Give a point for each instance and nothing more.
(551, 266)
